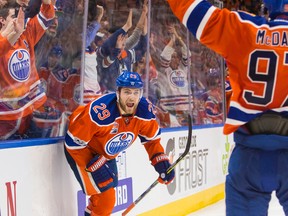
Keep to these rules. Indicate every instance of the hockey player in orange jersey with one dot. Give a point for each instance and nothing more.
(99, 131)
(255, 50)
(20, 90)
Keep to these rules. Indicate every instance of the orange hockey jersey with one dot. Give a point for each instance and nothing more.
(65, 92)
(4, 45)
(20, 90)
(98, 128)
(255, 51)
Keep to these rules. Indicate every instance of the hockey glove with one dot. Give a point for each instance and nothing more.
(161, 164)
(102, 173)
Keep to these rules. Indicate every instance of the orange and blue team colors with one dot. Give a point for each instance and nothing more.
(250, 62)
(108, 133)
(20, 89)
(4, 45)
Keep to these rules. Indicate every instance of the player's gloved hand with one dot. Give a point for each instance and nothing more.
(101, 172)
(161, 164)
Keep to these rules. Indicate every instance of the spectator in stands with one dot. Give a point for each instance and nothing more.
(199, 113)
(10, 33)
(53, 64)
(62, 87)
(99, 39)
(174, 95)
(134, 38)
(32, 7)
(155, 49)
(113, 57)
(228, 89)
(214, 102)
(20, 89)
(91, 85)
(3, 3)
(49, 39)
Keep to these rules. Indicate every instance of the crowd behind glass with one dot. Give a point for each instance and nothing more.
(181, 76)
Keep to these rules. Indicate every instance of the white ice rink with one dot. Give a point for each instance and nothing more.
(218, 209)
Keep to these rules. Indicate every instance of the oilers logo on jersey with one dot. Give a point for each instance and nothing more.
(119, 143)
(177, 78)
(19, 65)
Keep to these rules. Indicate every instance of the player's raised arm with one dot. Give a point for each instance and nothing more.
(179, 8)
(255, 51)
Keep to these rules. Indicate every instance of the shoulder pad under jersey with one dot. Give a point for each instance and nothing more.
(145, 109)
(104, 110)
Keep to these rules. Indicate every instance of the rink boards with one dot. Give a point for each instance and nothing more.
(36, 179)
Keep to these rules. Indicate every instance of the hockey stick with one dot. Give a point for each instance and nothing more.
(131, 206)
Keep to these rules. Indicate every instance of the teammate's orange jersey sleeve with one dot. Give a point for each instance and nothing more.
(255, 51)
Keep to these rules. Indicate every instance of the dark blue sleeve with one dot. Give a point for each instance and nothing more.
(145, 109)
(33, 8)
(141, 47)
(92, 29)
(110, 43)
(107, 101)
